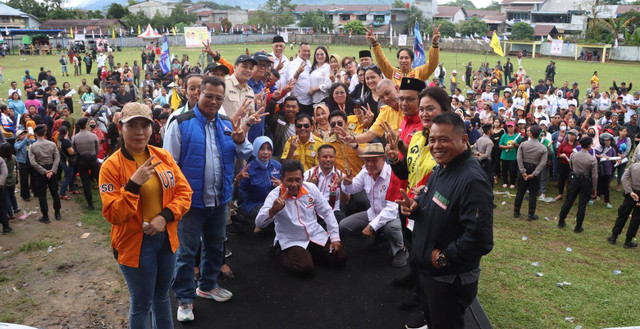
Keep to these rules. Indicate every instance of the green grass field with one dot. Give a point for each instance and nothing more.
(511, 293)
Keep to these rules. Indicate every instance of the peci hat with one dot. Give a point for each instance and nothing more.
(132, 111)
(246, 58)
(412, 84)
(373, 150)
(277, 38)
(364, 53)
(214, 66)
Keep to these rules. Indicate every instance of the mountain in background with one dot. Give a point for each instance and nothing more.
(245, 4)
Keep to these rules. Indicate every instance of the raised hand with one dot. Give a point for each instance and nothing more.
(313, 179)
(343, 108)
(238, 135)
(436, 34)
(407, 205)
(208, 50)
(280, 66)
(391, 135)
(301, 67)
(370, 36)
(275, 181)
(243, 173)
(293, 145)
(279, 203)
(368, 115)
(144, 172)
(348, 178)
(257, 117)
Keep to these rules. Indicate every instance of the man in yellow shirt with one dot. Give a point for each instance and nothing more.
(347, 155)
(390, 113)
(405, 59)
(303, 146)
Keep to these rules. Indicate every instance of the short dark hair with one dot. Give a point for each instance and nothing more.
(303, 116)
(82, 123)
(586, 142)
(338, 113)
(291, 166)
(326, 146)
(439, 95)
(303, 43)
(214, 81)
(6, 150)
(450, 118)
(290, 99)
(407, 50)
(486, 128)
(189, 77)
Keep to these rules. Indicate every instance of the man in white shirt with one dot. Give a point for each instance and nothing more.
(299, 71)
(327, 178)
(101, 60)
(14, 89)
(280, 61)
(382, 216)
(300, 239)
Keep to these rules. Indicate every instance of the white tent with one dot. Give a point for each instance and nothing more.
(150, 33)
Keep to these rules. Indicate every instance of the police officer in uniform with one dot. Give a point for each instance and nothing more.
(532, 157)
(631, 202)
(583, 180)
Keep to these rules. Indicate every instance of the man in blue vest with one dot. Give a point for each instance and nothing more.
(205, 145)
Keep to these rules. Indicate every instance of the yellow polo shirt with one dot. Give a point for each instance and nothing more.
(387, 113)
(346, 157)
(306, 153)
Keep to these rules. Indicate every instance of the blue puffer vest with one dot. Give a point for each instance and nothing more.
(192, 158)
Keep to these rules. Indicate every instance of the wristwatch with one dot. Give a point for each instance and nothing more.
(442, 260)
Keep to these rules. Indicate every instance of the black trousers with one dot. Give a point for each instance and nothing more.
(4, 220)
(445, 303)
(509, 172)
(563, 175)
(40, 185)
(533, 185)
(627, 207)
(578, 186)
(603, 186)
(88, 168)
(88, 69)
(24, 170)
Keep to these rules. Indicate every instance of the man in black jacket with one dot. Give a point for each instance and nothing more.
(453, 228)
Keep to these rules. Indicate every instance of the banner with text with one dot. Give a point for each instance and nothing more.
(194, 36)
(556, 47)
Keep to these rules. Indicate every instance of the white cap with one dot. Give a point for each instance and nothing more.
(507, 90)
(454, 72)
(544, 122)
(521, 121)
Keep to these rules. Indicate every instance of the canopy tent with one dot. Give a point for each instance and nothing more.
(150, 33)
(588, 47)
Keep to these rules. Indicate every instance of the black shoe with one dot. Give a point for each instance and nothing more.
(562, 224)
(90, 207)
(44, 220)
(235, 228)
(406, 281)
(578, 229)
(532, 217)
(612, 239)
(58, 215)
(417, 323)
(7, 229)
(410, 303)
(516, 215)
(630, 244)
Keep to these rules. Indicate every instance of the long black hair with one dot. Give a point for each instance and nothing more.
(331, 103)
(315, 62)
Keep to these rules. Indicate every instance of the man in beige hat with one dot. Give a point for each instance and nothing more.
(382, 216)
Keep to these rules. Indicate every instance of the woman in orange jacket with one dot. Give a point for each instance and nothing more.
(144, 194)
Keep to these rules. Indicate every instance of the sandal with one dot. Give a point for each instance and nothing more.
(64, 197)
(75, 192)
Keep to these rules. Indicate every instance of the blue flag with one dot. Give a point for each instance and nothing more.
(165, 60)
(418, 48)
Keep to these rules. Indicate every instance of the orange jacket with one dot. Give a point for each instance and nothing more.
(121, 204)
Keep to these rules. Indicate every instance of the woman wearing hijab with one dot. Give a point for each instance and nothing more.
(258, 177)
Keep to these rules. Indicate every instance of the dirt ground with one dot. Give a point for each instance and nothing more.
(50, 277)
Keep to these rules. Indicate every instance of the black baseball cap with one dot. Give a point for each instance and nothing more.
(246, 58)
(261, 56)
(214, 66)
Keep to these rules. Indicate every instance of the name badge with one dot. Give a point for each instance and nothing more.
(280, 122)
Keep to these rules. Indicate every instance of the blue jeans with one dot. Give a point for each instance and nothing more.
(210, 224)
(69, 178)
(12, 203)
(149, 283)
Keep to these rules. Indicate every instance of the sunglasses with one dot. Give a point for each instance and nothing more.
(303, 125)
(337, 123)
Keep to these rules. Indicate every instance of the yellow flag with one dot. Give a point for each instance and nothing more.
(139, 32)
(175, 101)
(113, 34)
(71, 32)
(495, 44)
(174, 30)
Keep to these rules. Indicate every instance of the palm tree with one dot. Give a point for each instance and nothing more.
(617, 25)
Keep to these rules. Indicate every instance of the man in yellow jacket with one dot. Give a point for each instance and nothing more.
(405, 59)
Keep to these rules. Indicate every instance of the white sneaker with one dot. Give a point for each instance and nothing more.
(185, 313)
(218, 294)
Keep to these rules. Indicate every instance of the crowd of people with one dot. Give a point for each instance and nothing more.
(311, 149)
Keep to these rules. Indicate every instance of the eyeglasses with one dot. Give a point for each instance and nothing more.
(303, 125)
(348, 63)
(339, 93)
(336, 123)
(407, 99)
(369, 67)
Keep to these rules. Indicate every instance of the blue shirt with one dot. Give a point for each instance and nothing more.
(496, 106)
(21, 149)
(258, 129)
(258, 186)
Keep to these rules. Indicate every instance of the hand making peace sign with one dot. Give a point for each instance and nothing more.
(407, 205)
(238, 135)
(436, 34)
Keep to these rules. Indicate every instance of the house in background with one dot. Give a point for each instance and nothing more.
(152, 7)
(453, 14)
(91, 25)
(495, 19)
(11, 18)
(376, 15)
